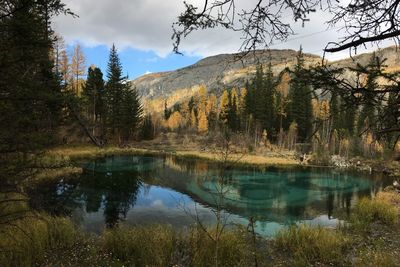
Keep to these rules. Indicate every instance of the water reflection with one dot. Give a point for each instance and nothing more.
(140, 190)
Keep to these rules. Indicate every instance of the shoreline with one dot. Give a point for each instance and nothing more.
(85, 151)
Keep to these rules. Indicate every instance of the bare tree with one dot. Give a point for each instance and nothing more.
(364, 20)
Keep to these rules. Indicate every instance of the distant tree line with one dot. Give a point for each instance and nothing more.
(295, 106)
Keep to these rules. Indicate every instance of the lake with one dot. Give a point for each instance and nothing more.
(140, 190)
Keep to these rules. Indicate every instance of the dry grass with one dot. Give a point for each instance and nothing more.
(309, 246)
(58, 172)
(92, 151)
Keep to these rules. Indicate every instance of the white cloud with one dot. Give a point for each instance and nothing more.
(147, 72)
(146, 25)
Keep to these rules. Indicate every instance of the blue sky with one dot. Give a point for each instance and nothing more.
(135, 62)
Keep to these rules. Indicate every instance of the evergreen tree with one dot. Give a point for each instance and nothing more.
(93, 94)
(367, 118)
(115, 87)
(270, 111)
(334, 111)
(224, 108)
(259, 96)
(233, 119)
(300, 100)
(147, 132)
(167, 112)
(31, 100)
(131, 112)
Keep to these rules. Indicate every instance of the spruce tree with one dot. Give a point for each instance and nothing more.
(270, 111)
(93, 94)
(114, 94)
(300, 100)
(147, 132)
(367, 118)
(31, 100)
(334, 111)
(131, 112)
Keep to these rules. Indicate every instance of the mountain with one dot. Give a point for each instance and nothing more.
(232, 70)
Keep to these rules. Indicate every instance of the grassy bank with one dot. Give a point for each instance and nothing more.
(85, 151)
(371, 239)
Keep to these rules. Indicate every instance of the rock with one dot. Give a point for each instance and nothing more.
(396, 185)
(339, 161)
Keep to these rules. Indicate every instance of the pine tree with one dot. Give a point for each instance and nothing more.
(131, 113)
(334, 111)
(93, 95)
(147, 132)
(270, 111)
(212, 111)
(367, 118)
(115, 88)
(224, 108)
(233, 119)
(300, 100)
(167, 112)
(259, 96)
(31, 100)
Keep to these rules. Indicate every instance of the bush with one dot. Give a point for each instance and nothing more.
(308, 245)
(368, 211)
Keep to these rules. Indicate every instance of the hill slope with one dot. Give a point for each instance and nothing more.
(232, 70)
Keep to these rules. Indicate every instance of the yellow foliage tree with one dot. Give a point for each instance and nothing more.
(211, 104)
(202, 97)
(242, 101)
(203, 122)
(224, 105)
(235, 98)
(175, 120)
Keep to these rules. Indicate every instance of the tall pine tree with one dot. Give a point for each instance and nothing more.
(115, 87)
(300, 100)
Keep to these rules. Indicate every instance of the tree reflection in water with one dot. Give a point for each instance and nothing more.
(111, 187)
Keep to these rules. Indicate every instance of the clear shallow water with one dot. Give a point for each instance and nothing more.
(139, 190)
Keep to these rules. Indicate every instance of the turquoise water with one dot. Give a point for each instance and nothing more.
(139, 190)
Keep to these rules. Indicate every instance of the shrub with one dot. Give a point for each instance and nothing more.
(308, 245)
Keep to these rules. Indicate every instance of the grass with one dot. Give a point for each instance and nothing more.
(163, 246)
(50, 241)
(375, 258)
(310, 245)
(72, 152)
(369, 211)
(26, 242)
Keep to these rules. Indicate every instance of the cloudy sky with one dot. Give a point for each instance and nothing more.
(141, 30)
